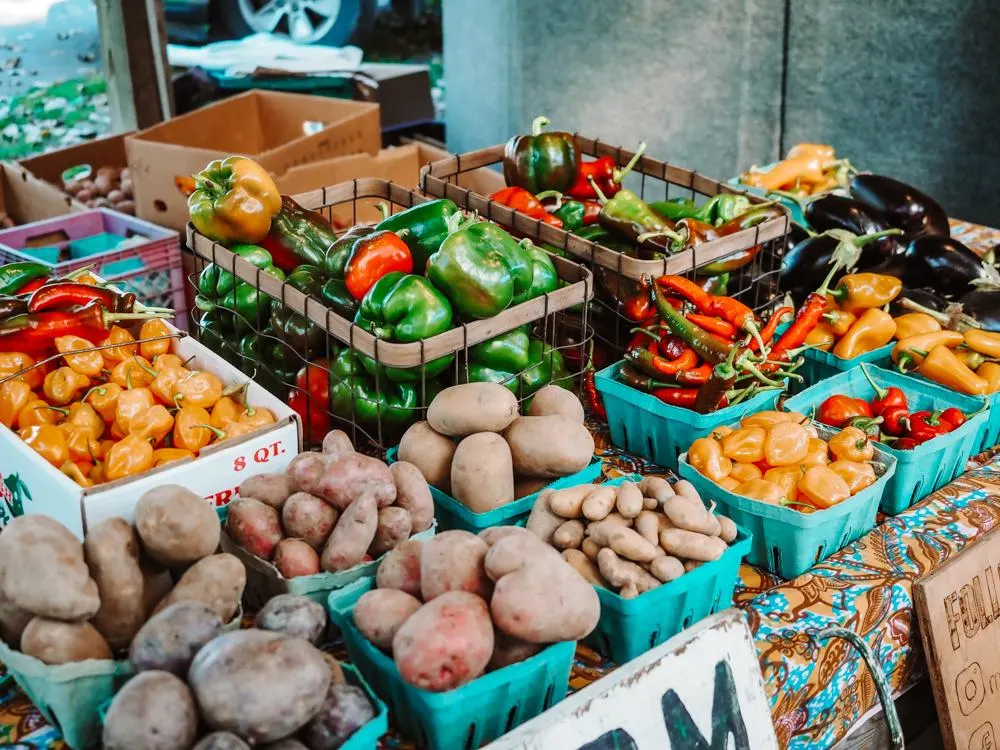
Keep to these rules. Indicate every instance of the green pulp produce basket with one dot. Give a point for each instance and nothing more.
(630, 627)
(786, 541)
(468, 716)
(644, 425)
(989, 433)
(821, 365)
(451, 514)
(927, 467)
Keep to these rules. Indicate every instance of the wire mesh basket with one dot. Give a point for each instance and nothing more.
(338, 374)
(750, 258)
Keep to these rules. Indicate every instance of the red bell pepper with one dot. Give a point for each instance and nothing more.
(311, 400)
(524, 201)
(954, 417)
(605, 174)
(904, 444)
(838, 409)
(372, 257)
(885, 398)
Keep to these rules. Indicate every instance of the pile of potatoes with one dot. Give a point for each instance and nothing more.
(452, 607)
(477, 448)
(111, 187)
(62, 601)
(264, 687)
(633, 537)
(330, 510)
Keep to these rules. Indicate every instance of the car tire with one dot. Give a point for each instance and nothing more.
(354, 22)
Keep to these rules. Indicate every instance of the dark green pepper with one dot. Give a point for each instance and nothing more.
(727, 207)
(334, 292)
(215, 283)
(601, 236)
(541, 161)
(404, 308)
(297, 331)
(518, 362)
(298, 236)
(544, 277)
(422, 227)
(481, 269)
(15, 276)
(629, 216)
(676, 209)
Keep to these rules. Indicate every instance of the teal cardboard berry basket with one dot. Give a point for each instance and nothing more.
(642, 424)
(927, 467)
(451, 514)
(821, 365)
(470, 715)
(786, 541)
(630, 627)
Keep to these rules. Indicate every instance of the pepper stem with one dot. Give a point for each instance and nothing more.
(454, 222)
(383, 208)
(674, 236)
(100, 390)
(219, 434)
(600, 194)
(539, 124)
(880, 393)
(618, 175)
(550, 194)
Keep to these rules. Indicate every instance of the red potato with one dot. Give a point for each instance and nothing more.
(308, 518)
(453, 561)
(446, 643)
(352, 536)
(255, 526)
(307, 469)
(273, 489)
(413, 495)
(400, 568)
(393, 528)
(337, 444)
(353, 476)
(294, 558)
(379, 613)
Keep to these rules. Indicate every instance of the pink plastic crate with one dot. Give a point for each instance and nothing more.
(149, 266)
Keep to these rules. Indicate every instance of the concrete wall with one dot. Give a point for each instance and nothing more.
(906, 87)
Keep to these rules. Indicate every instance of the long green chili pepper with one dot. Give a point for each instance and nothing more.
(705, 344)
(632, 377)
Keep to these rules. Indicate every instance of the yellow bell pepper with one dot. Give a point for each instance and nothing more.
(745, 444)
(762, 490)
(990, 372)
(912, 324)
(705, 455)
(234, 201)
(913, 349)
(851, 444)
(984, 342)
(943, 366)
(873, 329)
(823, 487)
(862, 291)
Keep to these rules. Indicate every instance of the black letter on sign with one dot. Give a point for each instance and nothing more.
(616, 739)
(726, 717)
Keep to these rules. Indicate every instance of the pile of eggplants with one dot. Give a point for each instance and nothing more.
(932, 265)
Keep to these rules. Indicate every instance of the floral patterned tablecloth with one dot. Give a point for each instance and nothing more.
(817, 691)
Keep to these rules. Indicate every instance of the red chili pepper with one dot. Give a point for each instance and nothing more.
(642, 338)
(63, 294)
(639, 308)
(524, 201)
(32, 332)
(372, 257)
(885, 398)
(677, 396)
(838, 409)
(924, 425)
(729, 309)
(717, 326)
(954, 417)
(894, 420)
(593, 397)
(32, 285)
(776, 319)
(805, 321)
(695, 376)
(591, 212)
(656, 366)
(670, 346)
(606, 175)
(904, 444)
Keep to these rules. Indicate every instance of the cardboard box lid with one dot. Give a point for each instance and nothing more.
(108, 151)
(26, 198)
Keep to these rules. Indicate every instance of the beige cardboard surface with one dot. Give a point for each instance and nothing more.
(268, 126)
(26, 198)
(102, 152)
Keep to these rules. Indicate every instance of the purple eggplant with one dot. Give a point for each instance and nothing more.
(984, 306)
(806, 264)
(945, 265)
(922, 297)
(901, 205)
(839, 212)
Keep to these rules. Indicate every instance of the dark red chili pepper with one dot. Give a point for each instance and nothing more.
(695, 376)
(32, 286)
(924, 425)
(605, 174)
(656, 366)
(677, 396)
(32, 332)
(524, 201)
(63, 294)
(632, 377)
(885, 398)
(954, 417)
(593, 397)
(717, 326)
(670, 346)
(894, 420)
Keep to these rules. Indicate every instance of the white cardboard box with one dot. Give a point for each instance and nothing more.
(32, 485)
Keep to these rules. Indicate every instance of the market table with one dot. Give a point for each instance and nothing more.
(818, 691)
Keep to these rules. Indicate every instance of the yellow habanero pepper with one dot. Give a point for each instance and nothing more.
(786, 443)
(745, 444)
(990, 372)
(153, 329)
(984, 342)
(873, 329)
(857, 475)
(125, 345)
(913, 349)
(762, 490)
(14, 395)
(256, 416)
(745, 472)
(851, 444)
(705, 455)
(234, 201)
(862, 291)
(165, 383)
(943, 366)
(134, 372)
(12, 363)
(164, 456)
(86, 417)
(48, 441)
(163, 361)
(88, 363)
(62, 385)
(226, 411)
(104, 399)
(913, 324)
(823, 487)
(786, 477)
(821, 337)
(152, 424)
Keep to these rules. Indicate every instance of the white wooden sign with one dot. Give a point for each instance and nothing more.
(701, 689)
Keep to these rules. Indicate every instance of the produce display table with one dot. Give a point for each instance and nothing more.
(818, 691)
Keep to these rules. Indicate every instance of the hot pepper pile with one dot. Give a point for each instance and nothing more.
(887, 417)
(778, 458)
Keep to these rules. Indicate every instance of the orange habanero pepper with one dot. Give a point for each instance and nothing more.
(152, 424)
(745, 472)
(164, 456)
(12, 363)
(198, 388)
(192, 428)
(745, 444)
(85, 416)
(851, 444)
(728, 483)
(818, 453)
(37, 412)
(256, 417)
(104, 400)
(164, 361)
(77, 474)
(134, 372)
(153, 329)
(129, 456)
(88, 363)
(62, 385)
(225, 412)
(130, 404)
(48, 441)
(165, 382)
(81, 443)
(125, 348)
(762, 490)
(823, 487)
(786, 477)
(766, 419)
(705, 455)
(14, 395)
(787, 443)
(857, 475)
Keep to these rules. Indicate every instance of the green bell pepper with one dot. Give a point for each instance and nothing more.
(422, 227)
(404, 308)
(481, 269)
(541, 161)
(676, 209)
(518, 362)
(544, 277)
(334, 291)
(297, 331)
(215, 283)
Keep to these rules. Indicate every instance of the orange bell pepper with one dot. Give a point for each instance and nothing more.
(129, 456)
(152, 329)
(63, 384)
(762, 490)
(14, 396)
(198, 388)
(857, 475)
(705, 455)
(745, 444)
(787, 443)
(48, 441)
(851, 444)
(88, 363)
(12, 363)
(823, 487)
(104, 400)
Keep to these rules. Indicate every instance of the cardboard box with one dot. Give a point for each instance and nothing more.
(403, 91)
(101, 152)
(278, 130)
(25, 198)
(35, 486)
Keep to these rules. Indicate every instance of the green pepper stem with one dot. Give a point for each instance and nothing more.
(600, 194)
(219, 434)
(879, 392)
(618, 175)
(383, 208)
(539, 124)
(550, 194)
(674, 236)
